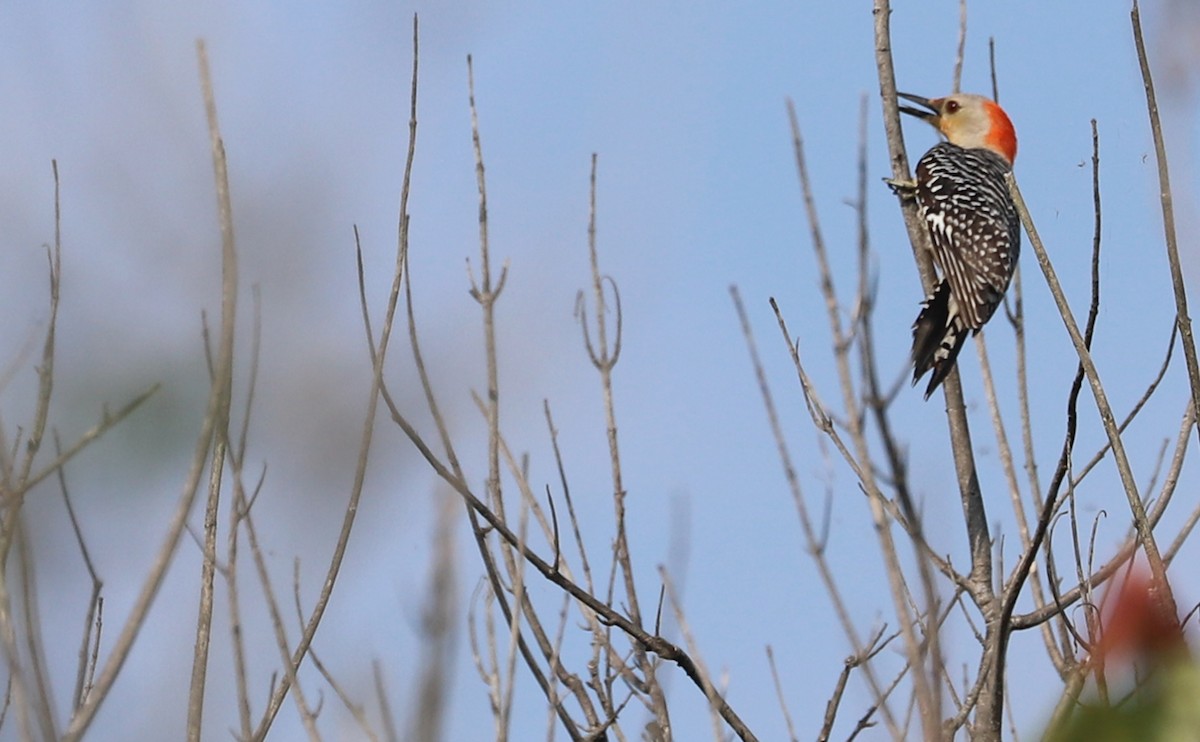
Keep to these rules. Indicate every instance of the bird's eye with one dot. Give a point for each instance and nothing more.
(952, 106)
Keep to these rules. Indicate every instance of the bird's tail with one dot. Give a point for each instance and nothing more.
(938, 336)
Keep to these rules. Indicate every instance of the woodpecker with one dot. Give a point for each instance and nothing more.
(972, 221)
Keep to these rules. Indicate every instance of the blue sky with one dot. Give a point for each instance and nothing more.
(684, 103)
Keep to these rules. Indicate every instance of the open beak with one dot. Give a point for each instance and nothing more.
(931, 115)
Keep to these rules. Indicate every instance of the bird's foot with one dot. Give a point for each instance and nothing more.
(902, 188)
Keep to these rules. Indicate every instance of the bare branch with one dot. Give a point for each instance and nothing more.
(1145, 534)
(1168, 212)
(360, 471)
(787, 717)
(218, 398)
(962, 46)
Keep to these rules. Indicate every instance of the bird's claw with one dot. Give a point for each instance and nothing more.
(902, 188)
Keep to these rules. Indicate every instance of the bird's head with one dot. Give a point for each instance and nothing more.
(969, 121)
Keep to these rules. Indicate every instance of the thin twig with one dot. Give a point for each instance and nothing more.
(1138, 510)
(787, 717)
(278, 626)
(437, 628)
(962, 46)
(835, 700)
(1062, 470)
(97, 585)
(1168, 212)
(107, 422)
(32, 630)
(648, 642)
(385, 707)
(355, 708)
(566, 488)
(360, 470)
(237, 512)
(605, 357)
(710, 690)
(918, 652)
(218, 398)
(1126, 421)
(45, 371)
(215, 474)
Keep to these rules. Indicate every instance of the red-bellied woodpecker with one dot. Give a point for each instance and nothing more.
(973, 224)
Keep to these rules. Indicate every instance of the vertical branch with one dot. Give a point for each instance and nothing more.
(974, 511)
(917, 234)
(604, 357)
(962, 46)
(12, 528)
(385, 706)
(237, 640)
(438, 621)
(91, 616)
(486, 294)
(1018, 322)
(368, 429)
(218, 398)
(42, 700)
(1168, 212)
(45, 372)
(787, 717)
(282, 643)
(992, 67)
(223, 379)
(710, 689)
(18, 681)
(239, 510)
(990, 698)
(508, 682)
